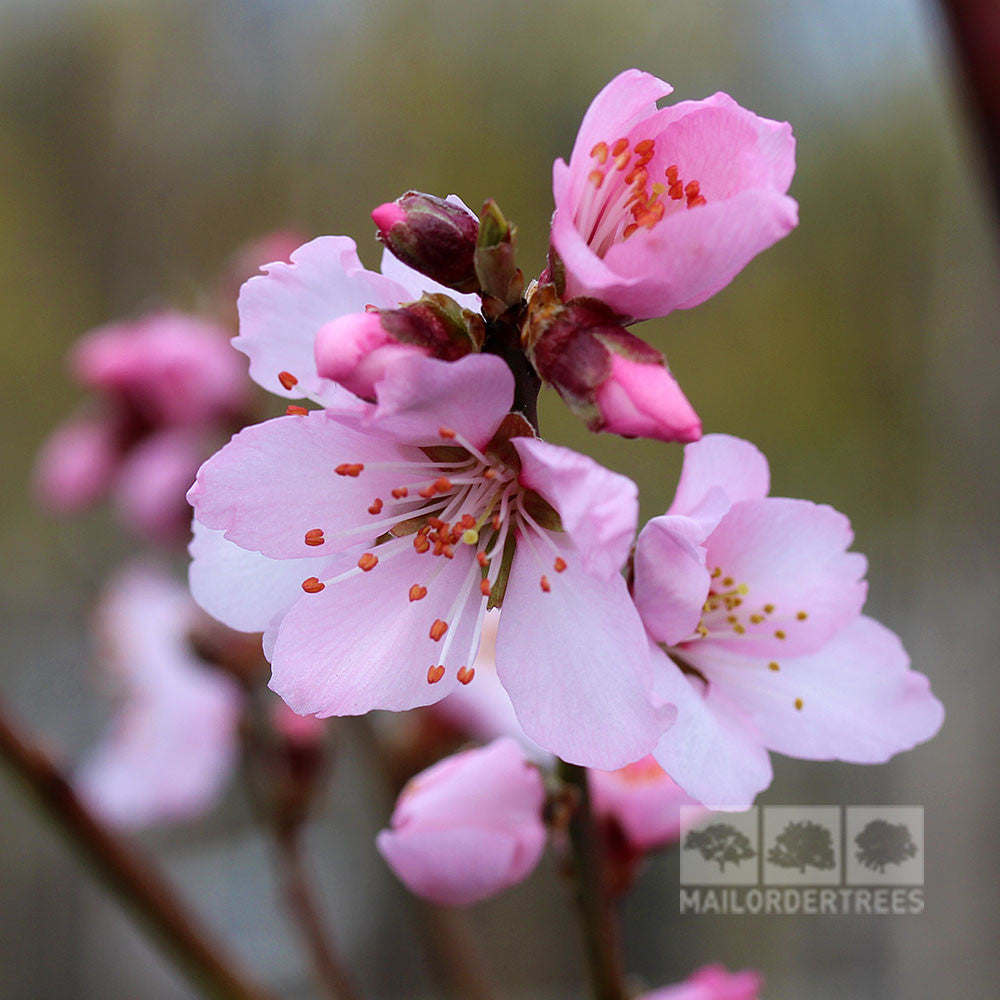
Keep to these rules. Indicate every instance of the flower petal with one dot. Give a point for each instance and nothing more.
(598, 508)
(859, 700)
(719, 461)
(362, 644)
(281, 310)
(575, 663)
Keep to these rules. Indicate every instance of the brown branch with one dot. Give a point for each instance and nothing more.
(131, 877)
(598, 919)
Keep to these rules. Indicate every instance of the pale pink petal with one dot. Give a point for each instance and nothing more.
(418, 284)
(713, 751)
(281, 311)
(153, 479)
(276, 481)
(671, 581)
(598, 508)
(362, 644)
(575, 663)
(713, 982)
(719, 461)
(854, 700)
(418, 396)
(800, 582)
(244, 589)
(76, 465)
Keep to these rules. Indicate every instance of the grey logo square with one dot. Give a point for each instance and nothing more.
(801, 845)
(720, 848)
(884, 845)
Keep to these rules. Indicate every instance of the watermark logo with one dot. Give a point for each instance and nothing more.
(803, 860)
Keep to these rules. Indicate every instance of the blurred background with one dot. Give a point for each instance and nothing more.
(142, 142)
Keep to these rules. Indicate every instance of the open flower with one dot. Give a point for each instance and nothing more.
(368, 540)
(713, 982)
(172, 745)
(468, 827)
(757, 603)
(658, 209)
(166, 386)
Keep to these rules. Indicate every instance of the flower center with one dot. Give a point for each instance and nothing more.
(619, 198)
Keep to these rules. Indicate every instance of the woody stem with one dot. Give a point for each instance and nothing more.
(131, 877)
(598, 918)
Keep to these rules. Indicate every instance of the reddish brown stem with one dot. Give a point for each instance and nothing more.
(132, 878)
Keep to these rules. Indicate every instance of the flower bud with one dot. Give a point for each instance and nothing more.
(468, 827)
(496, 256)
(433, 236)
(357, 349)
(606, 375)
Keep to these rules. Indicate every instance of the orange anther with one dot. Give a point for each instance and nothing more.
(314, 536)
(596, 177)
(676, 190)
(288, 380)
(465, 674)
(544, 584)
(349, 469)
(671, 174)
(428, 491)
(559, 565)
(438, 629)
(496, 522)
(442, 485)
(482, 560)
(295, 411)
(446, 432)
(368, 562)
(622, 161)
(637, 177)
(645, 147)
(420, 542)
(468, 522)
(417, 593)
(399, 492)
(490, 474)
(619, 147)
(485, 587)
(630, 230)
(695, 202)
(798, 704)
(313, 585)
(600, 152)
(376, 507)
(692, 189)
(434, 674)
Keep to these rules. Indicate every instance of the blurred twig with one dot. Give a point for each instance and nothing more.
(132, 878)
(598, 919)
(975, 28)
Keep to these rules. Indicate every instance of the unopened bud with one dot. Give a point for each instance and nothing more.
(356, 350)
(495, 256)
(433, 236)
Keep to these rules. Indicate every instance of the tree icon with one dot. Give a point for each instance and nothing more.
(802, 845)
(721, 843)
(881, 843)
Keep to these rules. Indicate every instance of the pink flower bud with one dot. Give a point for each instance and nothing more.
(355, 350)
(434, 236)
(469, 826)
(713, 982)
(76, 465)
(640, 399)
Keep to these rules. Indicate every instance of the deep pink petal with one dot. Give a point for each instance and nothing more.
(362, 644)
(281, 311)
(598, 508)
(859, 700)
(713, 982)
(276, 481)
(76, 465)
(575, 663)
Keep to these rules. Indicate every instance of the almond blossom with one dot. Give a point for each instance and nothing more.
(658, 209)
(172, 745)
(468, 827)
(753, 607)
(713, 982)
(368, 539)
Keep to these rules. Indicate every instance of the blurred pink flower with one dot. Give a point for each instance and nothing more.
(643, 801)
(299, 503)
(758, 604)
(166, 386)
(254, 255)
(468, 827)
(658, 209)
(172, 745)
(713, 982)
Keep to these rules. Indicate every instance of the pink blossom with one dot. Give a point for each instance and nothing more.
(643, 801)
(713, 982)
(468, 827)
(758, 604)
(172, 745)
(166, 384)
(644, 400)
(289, 517)
(283, 310)
(659, 209)
(255, 254)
